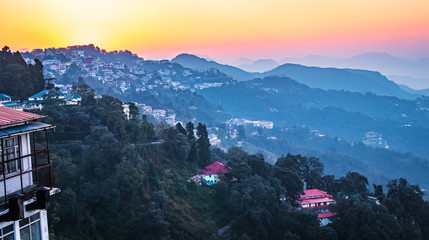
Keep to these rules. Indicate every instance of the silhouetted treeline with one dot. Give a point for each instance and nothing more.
(18, 79)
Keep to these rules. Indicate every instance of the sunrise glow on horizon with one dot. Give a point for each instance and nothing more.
(220, 29)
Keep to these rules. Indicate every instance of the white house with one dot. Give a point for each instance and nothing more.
(37, 100)
(74, 100)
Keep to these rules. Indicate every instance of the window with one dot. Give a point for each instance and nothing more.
(11, 151)
(30, 228)
(7, 233)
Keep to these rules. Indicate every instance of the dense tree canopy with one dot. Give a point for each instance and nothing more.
(126, 179)
(17, 78)
(117, 183)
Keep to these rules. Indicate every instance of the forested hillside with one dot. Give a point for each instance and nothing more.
(119, 181)
(355, 80)
(345, 117)
(403, 123)
(128, 179)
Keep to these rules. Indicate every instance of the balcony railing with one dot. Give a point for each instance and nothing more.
(32, 171)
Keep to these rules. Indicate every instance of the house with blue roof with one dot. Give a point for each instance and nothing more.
(13, 105)
(74, 100)
(37, 100)
(5, 98)
(47, 94)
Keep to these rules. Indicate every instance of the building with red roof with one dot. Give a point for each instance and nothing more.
(12, 116)
(318, 201)
(214, 168)
(26, 178)
(211, 174)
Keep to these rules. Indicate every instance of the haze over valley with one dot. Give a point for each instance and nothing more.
(219, 120)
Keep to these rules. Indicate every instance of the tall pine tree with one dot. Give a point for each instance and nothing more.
(203, 145)
(193, 154)
(180, 129)
(190, 130)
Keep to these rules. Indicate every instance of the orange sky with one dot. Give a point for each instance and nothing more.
(221, 28)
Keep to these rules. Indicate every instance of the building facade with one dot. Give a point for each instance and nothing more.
(319, 201)
(26, 178)
(211, 174)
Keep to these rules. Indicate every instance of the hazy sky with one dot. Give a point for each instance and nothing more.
(225, 29)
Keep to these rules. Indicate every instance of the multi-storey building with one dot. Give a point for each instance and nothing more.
(26, 178)
(319, 201)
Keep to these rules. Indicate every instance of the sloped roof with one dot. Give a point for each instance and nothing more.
(25, 128)
(310, 193)
(214, 168)
(75, 96)
(195, 178)
(326, 215)
(11, 104)
(10, 116)
(4, 95)
(47, 92)
(39, 94)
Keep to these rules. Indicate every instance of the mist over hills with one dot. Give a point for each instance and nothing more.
(261, 65)
(316, 77)
(195, 62)
(413, 91)
(344, 115)
(343, 105)
(338, 113)
(385, 63)
(417, 85)
(339, 79)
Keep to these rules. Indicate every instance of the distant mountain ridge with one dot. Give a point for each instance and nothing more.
(315, 77)
(376, 61)
(414, 91)
(261, 65)
(337, 113)
(341, 79)
(195, 62)
(412, 82)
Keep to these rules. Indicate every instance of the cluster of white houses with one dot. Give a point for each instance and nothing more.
(25, 175)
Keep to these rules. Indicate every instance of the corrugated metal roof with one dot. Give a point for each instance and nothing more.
(214, 168)
(39, 94)
(11, 116)
(308, 193)
(4, 96)
(31, 127)
(326, 215)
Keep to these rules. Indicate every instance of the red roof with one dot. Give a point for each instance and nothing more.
(326, 215)
(311, 193)
(314, 196)
(214, 168)
(10, 116)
